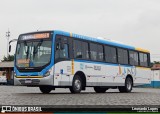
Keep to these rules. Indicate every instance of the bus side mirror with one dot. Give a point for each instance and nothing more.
(9, 48)
(57, 46)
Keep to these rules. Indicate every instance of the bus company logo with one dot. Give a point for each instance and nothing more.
(6, 109)
(88, 67)
(81, 66)
(20, 109)
(97, 68)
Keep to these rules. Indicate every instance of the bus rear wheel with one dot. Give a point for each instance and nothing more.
(45, 89)
(100, 89)
(128, 86)
(76, 84)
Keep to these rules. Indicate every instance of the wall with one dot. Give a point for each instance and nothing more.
(155, 78)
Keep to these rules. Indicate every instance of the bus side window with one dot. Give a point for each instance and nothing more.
(85, 50)
(64, 51)
(93, 51)
(133, 58)
(100, 53)
(110, 54)
(122, 56)
(61, 53)
(143, 59)
(77, 49)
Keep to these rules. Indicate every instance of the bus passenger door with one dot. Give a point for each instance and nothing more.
(65, 76)
(62, 62)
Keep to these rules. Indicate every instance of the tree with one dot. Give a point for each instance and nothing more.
(9, 58)
(154, 62)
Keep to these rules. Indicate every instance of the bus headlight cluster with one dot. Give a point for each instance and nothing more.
(47, 73)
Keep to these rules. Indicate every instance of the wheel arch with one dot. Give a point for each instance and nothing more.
(83, 77)
(130, 76)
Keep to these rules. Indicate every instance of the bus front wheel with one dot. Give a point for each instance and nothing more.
(45, 89)
(128, 86)
(76, 84)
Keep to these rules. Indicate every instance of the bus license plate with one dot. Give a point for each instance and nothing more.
(28, 81)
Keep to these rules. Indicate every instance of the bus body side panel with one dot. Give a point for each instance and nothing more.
(143, 76)
(96, 74)
(63, 73)
(103, 74)
(100, 74)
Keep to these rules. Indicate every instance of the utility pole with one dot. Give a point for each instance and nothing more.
(7, 36)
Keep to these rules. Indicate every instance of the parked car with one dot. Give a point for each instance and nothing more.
(3, 79)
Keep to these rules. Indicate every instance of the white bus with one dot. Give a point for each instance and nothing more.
(58, 59)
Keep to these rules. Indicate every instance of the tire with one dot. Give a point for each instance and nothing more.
(100, 90)
(128, 86)
(76, 84)
(45, 89)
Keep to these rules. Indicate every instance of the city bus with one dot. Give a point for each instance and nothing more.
(58, 59)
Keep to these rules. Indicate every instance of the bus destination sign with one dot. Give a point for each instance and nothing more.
(34, 36)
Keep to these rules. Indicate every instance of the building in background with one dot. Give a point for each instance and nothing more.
(6, 69)
(155, 76)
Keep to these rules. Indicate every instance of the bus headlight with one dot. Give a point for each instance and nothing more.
(47, 73)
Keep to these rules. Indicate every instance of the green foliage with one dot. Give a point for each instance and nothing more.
(9, 58)
(154, 62)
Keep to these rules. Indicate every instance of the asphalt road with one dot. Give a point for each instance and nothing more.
(19, 95)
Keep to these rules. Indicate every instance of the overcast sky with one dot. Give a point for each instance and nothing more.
(134, 22)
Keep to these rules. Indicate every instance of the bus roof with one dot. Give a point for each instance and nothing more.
(100, 40)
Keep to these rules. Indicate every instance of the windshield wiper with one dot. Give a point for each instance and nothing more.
(26, 51)
(36, 47)
(25, 44)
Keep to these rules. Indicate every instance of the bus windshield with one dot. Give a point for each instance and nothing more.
(33, 53)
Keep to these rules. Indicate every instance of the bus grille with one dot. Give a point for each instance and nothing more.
(33, 81)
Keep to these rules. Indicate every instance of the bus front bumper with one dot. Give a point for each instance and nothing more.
(33, 80)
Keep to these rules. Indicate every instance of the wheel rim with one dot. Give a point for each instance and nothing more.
(129, 84)
(77, 84)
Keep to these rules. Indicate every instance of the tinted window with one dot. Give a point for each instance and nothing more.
(143, 59)
(133, 57)
(81, 49)
(85, 50)
(110, 54)
(77, 49)
(122, 56)
(125, 56)
(100, 52)
(61, 53)
(93, 51)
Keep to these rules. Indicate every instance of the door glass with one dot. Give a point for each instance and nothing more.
(61, 53)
